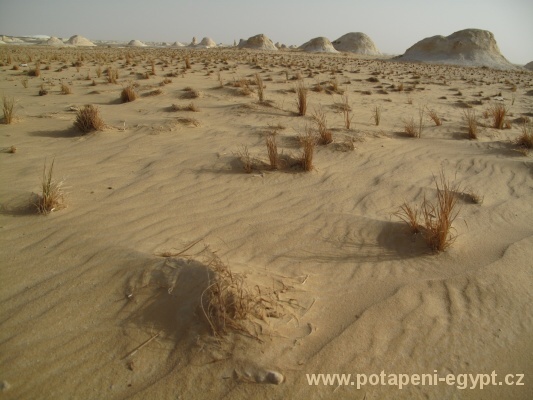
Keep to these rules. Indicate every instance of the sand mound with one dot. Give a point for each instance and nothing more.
(78, 40)
(53, 41)
(136, 43)
(356, 42)
(257, 42)
(469, 47)
(178, 44)
(318, 45)
(207, 43)
(529, 66)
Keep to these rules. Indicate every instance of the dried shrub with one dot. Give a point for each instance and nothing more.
(498, 112)
(272, 149)
(260, 88)
(319, 117)
(88, 119)
(434, 117)
(301, 98)
(376, 115)
(128, 94)
(66, 89)
(52, 196)
(230, 305)
(471, 123)
(525, 140)
(308, 143)
(8, 108)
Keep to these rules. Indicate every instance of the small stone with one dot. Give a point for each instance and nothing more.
(273, 377)
(4, 386)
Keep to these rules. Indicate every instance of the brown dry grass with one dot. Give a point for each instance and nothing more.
(66, 89)
(319, 117)
(439, 217)
(260, 88)
(308, 142)
(8, 106)
(189, 107)
(525, 140)
(410, 216)
(272, 149)
(230, 305)
(301, 98)
(88, 119)
(471, 123)
(376, 115)
(498, 112)
(246, 159)
(346, 111)
(434, 117)
(128, 94)
(52, 196)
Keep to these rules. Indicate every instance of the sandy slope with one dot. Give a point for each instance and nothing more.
(83, 287)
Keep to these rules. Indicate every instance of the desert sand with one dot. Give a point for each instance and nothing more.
(101, 299)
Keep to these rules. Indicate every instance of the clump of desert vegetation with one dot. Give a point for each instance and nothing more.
(8, 106)
(320, 119)
(498, 113)
(88, 119)
(436, 217)
(51, 197)
(525, 139)
(128, 94)
(301, 98)
(471, 123)
(231, 305)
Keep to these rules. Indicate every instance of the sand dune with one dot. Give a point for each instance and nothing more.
(84, 287)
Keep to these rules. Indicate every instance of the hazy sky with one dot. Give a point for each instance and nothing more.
(393, 25)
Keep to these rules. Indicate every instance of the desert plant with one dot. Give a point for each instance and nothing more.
(260, 88)
(471, 123)
(409, 215)
(51, 197)
(228, 303)
(498, 112)
(112, 75)
(439, 217)
(246, 160)
(525, 140)
(434, 117)
(301, 98)
(272, 149)
(409, 127)
(190, 93)
(346, 111)
(36, 71)
(24, 82)
(187, 62)
(65, 89)
(308, 142)
(128, 94)
(376, 114)
(319, 117)
(88, 119)
(8, 106)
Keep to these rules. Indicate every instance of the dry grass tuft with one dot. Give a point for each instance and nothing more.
(8, 105)
(229, 305)
(525, 140)
(51, 197)
(189, 121)
(498, 112)
(308, 142)
(376, 115)
(410, 216)
(319, 117)
(346, 111)
(190, 93)
(246, 159)
(260, 88)
(409, 127)
(128, 94)
(439, 217)
(66, 89)
(471, 122)
(272, 148)
(434, 117)
(301, 98)
(88, 119)
(189, 107)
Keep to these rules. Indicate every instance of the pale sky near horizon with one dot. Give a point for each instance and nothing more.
(393, 25)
